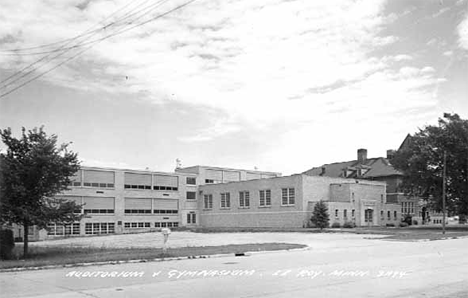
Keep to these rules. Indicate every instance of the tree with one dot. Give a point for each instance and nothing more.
(33, 170)
(320, 217)
(421, 160)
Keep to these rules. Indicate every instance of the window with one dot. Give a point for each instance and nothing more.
(352, 197)
(345, 214)
(382, 198)
(336, 212)
(265, 198)
(394, 215)
(100, 228)
(191, 218)
(99, 211)
(137, 211)
(101, 179)
(287, 196)
(191, 195)
(208, 181)
(389, 215)
(225, 200)
(60, 230)
(244, 199)
(191, 180)
(382, 215)
(136, 225)
(208, 201)
(352, 213)
(164, 182)
(162, 211)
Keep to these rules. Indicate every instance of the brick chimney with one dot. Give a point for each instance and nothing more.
(362, 155)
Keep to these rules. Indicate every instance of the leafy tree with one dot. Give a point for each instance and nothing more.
(421, 160)
(33, 170)
(320, 217)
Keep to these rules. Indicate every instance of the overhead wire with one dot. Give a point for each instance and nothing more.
(63, 50)
(87, 48)
(89, 30)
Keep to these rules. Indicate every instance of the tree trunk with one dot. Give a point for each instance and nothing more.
(25, 239)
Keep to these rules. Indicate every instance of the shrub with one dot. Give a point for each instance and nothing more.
(349, 225)
(7, 243)
(403, 224)
(320, 217)
(415, 222)
(336, 225)
(407, 219)
(462, 219)
(390, 225)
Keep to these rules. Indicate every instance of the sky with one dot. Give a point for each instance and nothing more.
(272, 85)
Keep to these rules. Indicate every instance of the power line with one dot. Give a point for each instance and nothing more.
(89, 30)
(64, 49)
(84, 50)
(97, 30)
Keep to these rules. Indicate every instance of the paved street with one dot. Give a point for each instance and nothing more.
(363, 268)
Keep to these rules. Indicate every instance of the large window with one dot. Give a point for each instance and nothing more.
(389, 217)
(265, 198)
(101, 179)
(61, 230)
(191, 180)
(164, 182)
(137, 205)
(287, 196)
(191, 218)
(98, 205)
(164, 224)
(99, 228)
(244, 199)
(137, 181)
(225, 200)
(208, 201)
(137, 225)
(191, 195)
(76, 179)
(345, 214)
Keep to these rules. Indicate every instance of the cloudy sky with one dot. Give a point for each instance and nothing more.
(278, 85)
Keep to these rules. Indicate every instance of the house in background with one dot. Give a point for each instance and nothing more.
(380, 169)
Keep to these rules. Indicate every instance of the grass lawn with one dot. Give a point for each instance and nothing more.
(67, 255)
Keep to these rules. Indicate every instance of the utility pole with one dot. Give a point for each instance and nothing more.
(443, 192)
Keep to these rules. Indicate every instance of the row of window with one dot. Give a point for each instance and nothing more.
(146, 211)
(133, 225)
(99, 211)
(345, 213)
(61, 230)
(287, 199)
(93, 184)
(156, 187)
(99, 228)
(353, 214)
(389, 215)
(407, 207)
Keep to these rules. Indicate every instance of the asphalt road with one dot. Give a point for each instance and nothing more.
(375, 268)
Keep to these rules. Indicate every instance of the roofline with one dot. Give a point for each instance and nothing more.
(229, 169)
(131, 170)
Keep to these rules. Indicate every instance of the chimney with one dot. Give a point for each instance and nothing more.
(362, 155)
(390, 154)
(323, 171)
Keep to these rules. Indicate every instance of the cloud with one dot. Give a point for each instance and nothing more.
(403, 57)
(237, 58)
(462, 31)
(440, 12)
(447, 53)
